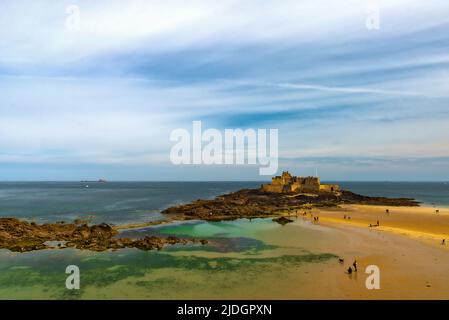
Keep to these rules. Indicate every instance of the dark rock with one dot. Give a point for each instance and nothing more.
(256, 203)
(282, 220)
(21, 236)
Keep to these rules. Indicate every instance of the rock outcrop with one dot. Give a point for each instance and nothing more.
(257, 203)
(21, 236)
(282, 220)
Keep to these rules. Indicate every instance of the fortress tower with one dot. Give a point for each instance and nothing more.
(286, 183)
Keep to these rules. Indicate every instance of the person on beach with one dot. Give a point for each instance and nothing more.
(349, 270)
(387, 210)
(443, 242)
(378, 223)
(354, 264)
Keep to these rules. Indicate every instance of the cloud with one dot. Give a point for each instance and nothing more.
(110, 94)
(352, 90)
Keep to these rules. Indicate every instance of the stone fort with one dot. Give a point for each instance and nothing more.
(287, 183)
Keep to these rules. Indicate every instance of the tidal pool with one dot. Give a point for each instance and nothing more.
(243, 259)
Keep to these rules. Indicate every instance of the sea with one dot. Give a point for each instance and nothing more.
(131, 202)
(240, 261)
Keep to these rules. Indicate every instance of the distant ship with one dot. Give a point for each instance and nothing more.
(91, 181)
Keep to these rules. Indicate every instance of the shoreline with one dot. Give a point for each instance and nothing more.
(287, 196)
(398, 222)
(411, 267)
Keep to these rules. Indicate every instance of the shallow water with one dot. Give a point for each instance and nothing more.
(236, 262)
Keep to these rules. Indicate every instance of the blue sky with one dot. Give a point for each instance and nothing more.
(101, 101)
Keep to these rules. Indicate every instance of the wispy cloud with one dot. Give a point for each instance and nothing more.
(353, 90)
(109, 94)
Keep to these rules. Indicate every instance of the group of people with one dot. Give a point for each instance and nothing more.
(297, 212)
(354, 266)
(315, 218)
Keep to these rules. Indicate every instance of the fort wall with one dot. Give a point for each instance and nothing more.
(287, 183)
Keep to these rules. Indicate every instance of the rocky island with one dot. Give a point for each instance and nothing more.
(285, 194)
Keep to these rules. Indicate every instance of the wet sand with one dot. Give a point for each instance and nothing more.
(411, 267)
(421, 223)
(406, 247)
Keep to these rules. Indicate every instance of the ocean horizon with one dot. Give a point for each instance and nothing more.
(121, 202)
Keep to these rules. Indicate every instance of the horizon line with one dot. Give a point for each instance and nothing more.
(113, 181)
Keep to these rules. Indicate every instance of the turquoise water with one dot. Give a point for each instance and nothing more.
(126, 202)
(235, 261)
(224, 236)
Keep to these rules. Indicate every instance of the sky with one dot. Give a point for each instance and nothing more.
(93, 89)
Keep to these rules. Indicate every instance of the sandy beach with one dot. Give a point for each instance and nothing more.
(421, 223)
(406, 247)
